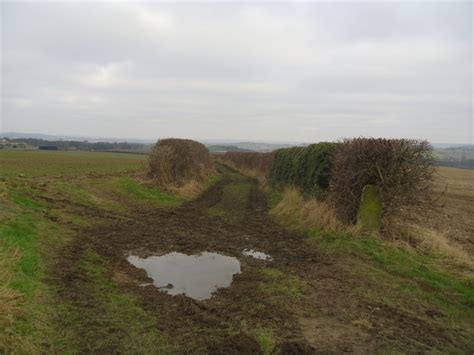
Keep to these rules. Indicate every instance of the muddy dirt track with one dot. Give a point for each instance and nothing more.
(317, 318)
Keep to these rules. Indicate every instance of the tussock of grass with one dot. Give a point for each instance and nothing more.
(429, 241)
(297, 212)
(265, 338)
(264, 335)
(194, 188)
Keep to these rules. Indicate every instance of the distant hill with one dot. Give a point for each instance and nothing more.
(49, 137)
(458, 156)
(226, 148)
(251, 146)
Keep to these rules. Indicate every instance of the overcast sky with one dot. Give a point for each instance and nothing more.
(262, 71)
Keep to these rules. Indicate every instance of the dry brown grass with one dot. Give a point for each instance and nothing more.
(298, 212)
(189, 190)
(448, 230)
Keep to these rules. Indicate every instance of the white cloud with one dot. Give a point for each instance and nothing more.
(102, 76)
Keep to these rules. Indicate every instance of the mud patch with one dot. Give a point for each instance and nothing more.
(195, 276)
(237, 344)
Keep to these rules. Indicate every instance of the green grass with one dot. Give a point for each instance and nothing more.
(264, 335)
(133, 190)
(19, 197)
(125, 326)
(211, 181)
(281, 285)
(30, 237)
(43, 163)
(266, 339)
(273, 198)
(234, 201)
(20, 234)
(22, 240)
(422, 274)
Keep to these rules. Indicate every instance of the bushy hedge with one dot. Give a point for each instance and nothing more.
(402, 169)
(307, 168)
(178, 161)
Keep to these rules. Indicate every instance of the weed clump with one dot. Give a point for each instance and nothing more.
(175, 163)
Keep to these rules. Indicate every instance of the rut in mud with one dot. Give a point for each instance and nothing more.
(302, 296)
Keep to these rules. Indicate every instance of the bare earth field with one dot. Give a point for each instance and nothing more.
(69, 221)
(457, 218)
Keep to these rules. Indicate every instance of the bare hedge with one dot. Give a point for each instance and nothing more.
(177, 161)
(402, 169)
(258, 162)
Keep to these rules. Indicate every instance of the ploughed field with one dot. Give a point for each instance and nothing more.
(81, 238)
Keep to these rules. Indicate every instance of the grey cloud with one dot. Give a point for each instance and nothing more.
(271, 71)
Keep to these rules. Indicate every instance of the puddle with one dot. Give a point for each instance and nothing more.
(257, 254)
(196, 276)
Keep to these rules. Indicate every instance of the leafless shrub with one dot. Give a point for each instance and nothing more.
(401, 168)
(175, 162)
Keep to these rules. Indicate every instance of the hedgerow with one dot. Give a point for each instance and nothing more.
(307, 168)
(401, 169)
(258, 162)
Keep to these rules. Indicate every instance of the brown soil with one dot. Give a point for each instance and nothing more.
(326, 318)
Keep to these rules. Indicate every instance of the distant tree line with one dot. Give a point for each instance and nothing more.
(78, 145)
(463, 164)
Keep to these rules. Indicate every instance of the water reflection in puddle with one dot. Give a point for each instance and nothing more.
(257, 254)
(196, 276)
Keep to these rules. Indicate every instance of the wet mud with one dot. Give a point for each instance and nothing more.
(226, 322)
